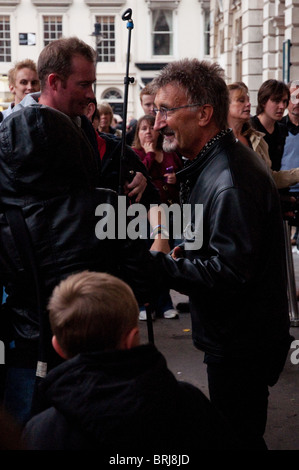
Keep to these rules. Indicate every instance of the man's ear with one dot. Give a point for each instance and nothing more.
(58, 348)
(131, 339)
(12, 89)
(53, 80)
(206, 113)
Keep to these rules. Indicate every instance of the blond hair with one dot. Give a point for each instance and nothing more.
(23, 64)
(91, 311)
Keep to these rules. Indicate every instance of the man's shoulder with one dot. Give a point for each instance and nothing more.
(37, 116)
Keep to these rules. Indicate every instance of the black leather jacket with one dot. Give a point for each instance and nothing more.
(236, 280)
(48, 169)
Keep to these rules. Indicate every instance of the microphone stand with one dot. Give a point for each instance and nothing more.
(127, 16)
(127, 80)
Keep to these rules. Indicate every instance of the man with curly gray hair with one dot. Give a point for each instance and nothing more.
(237, 288)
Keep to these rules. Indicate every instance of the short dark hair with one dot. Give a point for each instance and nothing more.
(202, 83)
(273, 89)
(147, 90)
(57, 57)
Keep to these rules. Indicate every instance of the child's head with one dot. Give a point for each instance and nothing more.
(92, 311)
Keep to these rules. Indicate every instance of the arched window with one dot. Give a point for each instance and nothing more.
(115, 99)
(112, 94)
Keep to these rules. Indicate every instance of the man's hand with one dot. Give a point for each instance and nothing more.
(136, 187)
(177, 252)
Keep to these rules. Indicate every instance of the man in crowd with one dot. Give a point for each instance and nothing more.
(237, 288)
(273, 98)
(53, 177)
(147, 98)
(66, 69)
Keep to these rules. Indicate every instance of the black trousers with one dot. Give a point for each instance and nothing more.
(240, 393)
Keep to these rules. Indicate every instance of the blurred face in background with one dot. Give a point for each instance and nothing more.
(293, 107)
(105, 120)
(147, 103)
(239, 106)
(275, 108)
(147, 134)
(26, 81)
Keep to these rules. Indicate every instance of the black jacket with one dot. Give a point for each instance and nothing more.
(124, 401)
(116, 168)
(236, 279)
(275, 141)
(48, 169)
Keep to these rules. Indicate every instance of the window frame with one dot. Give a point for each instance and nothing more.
(170, 33)
(57, 33)
(6, 56)
(106, 44)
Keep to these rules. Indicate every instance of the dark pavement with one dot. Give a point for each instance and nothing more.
(173, 339)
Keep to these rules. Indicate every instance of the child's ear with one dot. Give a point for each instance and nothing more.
(58, 348)
(131, 339)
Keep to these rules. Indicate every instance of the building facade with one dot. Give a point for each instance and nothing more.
(255, 40)
(160, 31)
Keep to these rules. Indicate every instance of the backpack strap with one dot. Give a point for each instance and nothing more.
(16, 220)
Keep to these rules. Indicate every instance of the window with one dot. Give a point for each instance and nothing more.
(162, 32)
(52, 28)
(221, 41)
(112, 95)
(238, 31)
(5, 41)
(207, 33)
(105, 39)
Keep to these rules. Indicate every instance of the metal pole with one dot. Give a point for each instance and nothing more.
(127, 16)
(293, 303)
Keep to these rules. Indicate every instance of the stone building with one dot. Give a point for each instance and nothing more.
(163, 30)
(255, 40)
(252, 39)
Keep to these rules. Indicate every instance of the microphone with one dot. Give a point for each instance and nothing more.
(127, 14)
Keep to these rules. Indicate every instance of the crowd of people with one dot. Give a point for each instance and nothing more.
(76, 375)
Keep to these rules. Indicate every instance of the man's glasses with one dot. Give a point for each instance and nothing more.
(163, 111)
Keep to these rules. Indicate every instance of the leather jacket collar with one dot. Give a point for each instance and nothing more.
(212, 148)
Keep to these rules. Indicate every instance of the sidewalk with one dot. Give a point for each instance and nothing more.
(173, 339)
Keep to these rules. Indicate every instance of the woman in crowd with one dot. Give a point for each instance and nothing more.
(162, 167)
(105, 116)
(239, 121)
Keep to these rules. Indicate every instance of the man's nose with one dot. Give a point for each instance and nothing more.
(90, 93)
(159, 122)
